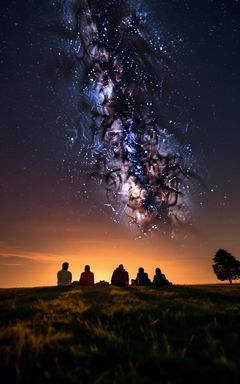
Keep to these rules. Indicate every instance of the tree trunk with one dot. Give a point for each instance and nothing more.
(230, 280)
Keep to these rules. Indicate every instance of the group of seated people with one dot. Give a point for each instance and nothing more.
(120, 277)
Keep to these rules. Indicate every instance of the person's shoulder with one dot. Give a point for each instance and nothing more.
(162, 275)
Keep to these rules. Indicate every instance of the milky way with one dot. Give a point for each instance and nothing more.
(123, 139)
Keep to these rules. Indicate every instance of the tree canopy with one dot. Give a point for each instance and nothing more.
(226, 266)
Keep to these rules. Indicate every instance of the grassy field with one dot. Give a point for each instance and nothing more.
(113, 335)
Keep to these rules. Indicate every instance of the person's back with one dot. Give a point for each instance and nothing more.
(120, 277)
(87, 277)
(142, 277)
(160, 279)
(64, 277)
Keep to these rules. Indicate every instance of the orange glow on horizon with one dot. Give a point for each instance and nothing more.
(39, 269)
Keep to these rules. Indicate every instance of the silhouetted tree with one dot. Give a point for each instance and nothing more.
(226, 267)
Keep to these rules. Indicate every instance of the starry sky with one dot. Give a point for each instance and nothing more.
(48, 213)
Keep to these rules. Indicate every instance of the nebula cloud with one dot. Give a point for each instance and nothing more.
(122, 137)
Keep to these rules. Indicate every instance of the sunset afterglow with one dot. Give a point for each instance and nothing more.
(120, 139)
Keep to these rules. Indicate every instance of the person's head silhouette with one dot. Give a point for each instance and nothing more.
(87, 268)
(65, 265)
(141, 270)
(158, 271)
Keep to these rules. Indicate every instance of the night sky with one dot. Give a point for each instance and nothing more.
(49, 213)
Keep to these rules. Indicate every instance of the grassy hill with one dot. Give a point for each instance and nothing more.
(111, 335)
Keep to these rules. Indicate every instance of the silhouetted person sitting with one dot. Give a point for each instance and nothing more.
(160, 279)
(87, 277)
(142, 277)
(120, 277)
(64, 277)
